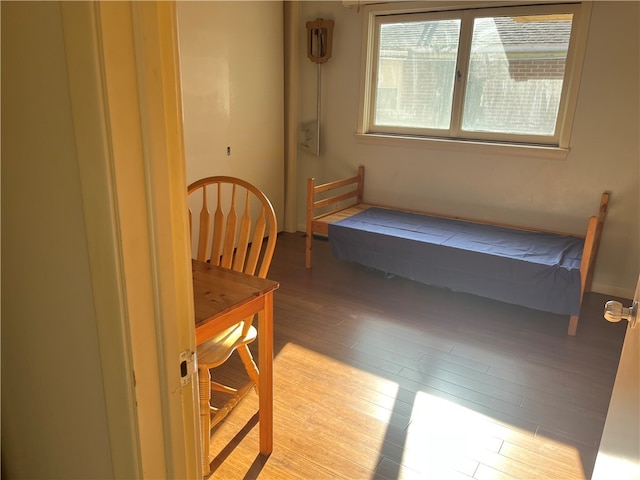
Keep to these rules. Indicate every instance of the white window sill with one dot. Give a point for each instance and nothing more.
(471, 146)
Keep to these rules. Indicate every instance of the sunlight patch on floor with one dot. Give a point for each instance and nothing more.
(445, 435)
(360, 385)
(420, 436)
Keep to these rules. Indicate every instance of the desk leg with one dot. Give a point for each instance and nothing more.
(265, 341)
(204, 385)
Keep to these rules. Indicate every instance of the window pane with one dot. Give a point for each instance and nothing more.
(416, 73)
(516, 69)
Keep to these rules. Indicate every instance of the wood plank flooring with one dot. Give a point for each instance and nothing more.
(384, 378)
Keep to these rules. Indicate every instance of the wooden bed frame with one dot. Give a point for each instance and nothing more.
(325, 206)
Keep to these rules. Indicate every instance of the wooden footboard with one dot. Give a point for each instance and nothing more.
(589, 255)
(340, 199)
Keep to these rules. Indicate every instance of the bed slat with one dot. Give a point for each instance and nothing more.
(335, 199)
(337, 184)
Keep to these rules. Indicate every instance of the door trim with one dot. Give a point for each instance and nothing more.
(128, 129)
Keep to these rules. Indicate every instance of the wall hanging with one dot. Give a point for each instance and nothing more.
(319, 42)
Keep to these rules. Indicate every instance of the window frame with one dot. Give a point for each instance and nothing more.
(557, 146)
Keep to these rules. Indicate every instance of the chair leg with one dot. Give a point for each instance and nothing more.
(219, 414)
(249, 364)
(205, 385)
(218, 387)
(204, 381)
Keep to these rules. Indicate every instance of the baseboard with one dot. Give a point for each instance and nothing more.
(612, 290)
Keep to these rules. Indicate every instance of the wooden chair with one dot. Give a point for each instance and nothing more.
(242, 237)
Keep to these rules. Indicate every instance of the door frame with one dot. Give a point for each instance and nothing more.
(123, 69)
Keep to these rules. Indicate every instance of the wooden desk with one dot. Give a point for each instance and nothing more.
(223, 298)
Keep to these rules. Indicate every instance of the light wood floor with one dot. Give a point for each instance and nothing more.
(383, 378)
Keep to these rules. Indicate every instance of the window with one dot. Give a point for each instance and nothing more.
(501, 75)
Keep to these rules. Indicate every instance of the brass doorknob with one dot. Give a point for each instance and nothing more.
(614, 312)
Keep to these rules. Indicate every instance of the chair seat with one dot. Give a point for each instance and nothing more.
(217, 350)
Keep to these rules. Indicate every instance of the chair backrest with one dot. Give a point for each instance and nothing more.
(243, 233)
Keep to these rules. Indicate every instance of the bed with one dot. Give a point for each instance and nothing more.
(543, 270)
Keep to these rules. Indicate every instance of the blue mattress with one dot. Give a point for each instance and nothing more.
(532, 269)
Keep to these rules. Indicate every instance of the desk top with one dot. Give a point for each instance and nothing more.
(219, 290)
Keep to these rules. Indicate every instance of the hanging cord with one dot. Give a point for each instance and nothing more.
(319, 100)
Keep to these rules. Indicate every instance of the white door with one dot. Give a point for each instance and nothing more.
(619, 454)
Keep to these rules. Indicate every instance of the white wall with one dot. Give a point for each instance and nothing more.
(54, 421)
(231, 56)
(539, 192)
